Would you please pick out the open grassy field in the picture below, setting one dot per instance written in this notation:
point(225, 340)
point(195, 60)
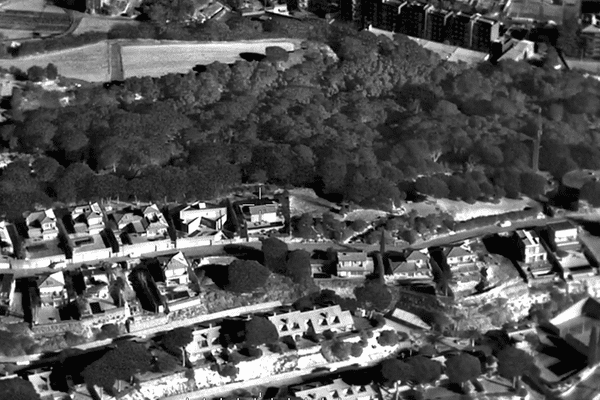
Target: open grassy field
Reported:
point(88, 63)
point(93, 23)
point(156, 59)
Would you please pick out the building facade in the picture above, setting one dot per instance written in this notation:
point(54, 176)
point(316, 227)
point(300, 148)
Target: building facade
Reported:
point(436, 24)
point(485, 32)
point(413, 19)
point(461, 30)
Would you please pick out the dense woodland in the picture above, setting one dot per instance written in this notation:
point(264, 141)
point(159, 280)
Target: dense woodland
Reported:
point(386, 119)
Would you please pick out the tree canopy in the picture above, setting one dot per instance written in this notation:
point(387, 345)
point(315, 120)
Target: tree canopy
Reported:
point(245, 276)
point(260, 330)
point(120, 363)
point(373, 122)
point(18, 389)
point(462, 368)
point(373, 296)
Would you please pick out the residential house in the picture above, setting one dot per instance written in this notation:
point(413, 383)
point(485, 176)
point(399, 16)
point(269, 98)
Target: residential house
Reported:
point(294, 322)
point(88, 219)
point(591, 37)
point(575, 324)
point(563, 233)
point(41, 225)
point(127, 217)
point(457, 256)
point(176, 270)
point(201, 216)
point(261, 213)
point(206, 340)
point(6, 242)
point(531, 248)
point(7, 289)
point(336, 389)
point(51, 286)
point(353, 264)
point(40, 380)
point(157, 223)
point(417, 263)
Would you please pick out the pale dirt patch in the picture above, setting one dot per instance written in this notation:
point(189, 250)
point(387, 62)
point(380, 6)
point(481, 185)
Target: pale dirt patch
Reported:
point(90, 23)
point(30, 5)
point(462, 211)
point(367, 215)
point(306, 201)
point(88, 63)
point(161, 59)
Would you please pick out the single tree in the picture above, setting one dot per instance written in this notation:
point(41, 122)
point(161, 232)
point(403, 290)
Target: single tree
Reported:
point(514, 363)
point(18, 389)
point(275, 252)
point(388, 338)
point(463, 368)
point(118, 364)
point(373, 296)
point(177, 339)
point(298, 267)
point(425, 370)
point(245, 276)
point(259, 330)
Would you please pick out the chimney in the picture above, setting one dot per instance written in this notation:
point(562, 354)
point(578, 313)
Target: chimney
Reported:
point(259, 192)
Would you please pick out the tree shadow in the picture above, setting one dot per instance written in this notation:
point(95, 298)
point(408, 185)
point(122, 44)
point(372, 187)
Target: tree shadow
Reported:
point(245, 253)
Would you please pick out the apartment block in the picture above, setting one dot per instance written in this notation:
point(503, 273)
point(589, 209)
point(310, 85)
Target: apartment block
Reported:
point(461, 30)
point(351, 10)
point(387, 18)
point(591, 35)
point(413, 19)
point(437, 23)
point(485, 32)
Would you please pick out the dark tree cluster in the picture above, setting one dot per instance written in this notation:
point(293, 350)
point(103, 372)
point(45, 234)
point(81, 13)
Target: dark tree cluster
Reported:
point(294, 264)
point(359, 128)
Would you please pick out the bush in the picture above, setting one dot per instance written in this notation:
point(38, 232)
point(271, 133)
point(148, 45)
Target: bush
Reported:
point(228, 370)
point(275, 348)
point(356, 350)
point(329, 334)
point(341, 350)
point(388, 338)
point(245, 276)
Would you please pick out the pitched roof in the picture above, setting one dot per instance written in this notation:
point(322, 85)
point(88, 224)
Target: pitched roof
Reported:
point(352, 256)
point(458, 252)
point(410, 318)
point(562, 226)
point(416, 255)
point(56, 279)
point(178, 261)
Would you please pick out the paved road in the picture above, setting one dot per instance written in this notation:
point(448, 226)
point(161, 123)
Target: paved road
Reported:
point(34, 21)
point(219, 249)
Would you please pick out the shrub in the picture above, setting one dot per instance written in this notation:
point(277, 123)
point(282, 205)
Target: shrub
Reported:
point(228, 370)
point(356, 350)
point(388, 338)
point(341, 350)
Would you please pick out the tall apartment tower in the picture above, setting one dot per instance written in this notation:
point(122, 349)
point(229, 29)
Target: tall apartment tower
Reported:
point(387, 17)
point(436, 24)
point(461, 30)
point(485, 32)
point(413, 19)
point(351, 10)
